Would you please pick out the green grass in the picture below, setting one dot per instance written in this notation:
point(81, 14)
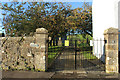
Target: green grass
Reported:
point(51, 56)
point(54, 47)
point(79, 36)
point(81, 41)
point(89, 55)
point(53, 51)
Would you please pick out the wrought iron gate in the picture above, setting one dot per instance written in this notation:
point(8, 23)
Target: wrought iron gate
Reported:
point(77, 56)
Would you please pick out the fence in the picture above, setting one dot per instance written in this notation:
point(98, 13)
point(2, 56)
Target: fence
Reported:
point(99, 49)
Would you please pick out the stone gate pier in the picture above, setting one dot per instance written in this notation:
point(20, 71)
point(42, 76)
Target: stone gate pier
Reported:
point(111, 50)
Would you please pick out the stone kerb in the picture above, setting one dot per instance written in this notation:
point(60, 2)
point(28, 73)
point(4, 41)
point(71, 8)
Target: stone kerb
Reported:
point(41, 57)
point(111, 50)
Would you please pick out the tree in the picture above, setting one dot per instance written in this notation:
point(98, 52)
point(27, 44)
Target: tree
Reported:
point(81, 20)
point(21, 20)
point(58, 18)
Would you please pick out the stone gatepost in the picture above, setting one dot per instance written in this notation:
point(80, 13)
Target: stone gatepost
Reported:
point(41, 56)
point(111, 50)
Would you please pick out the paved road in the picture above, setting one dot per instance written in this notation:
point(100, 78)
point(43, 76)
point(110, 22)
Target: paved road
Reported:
point(85, 75)
point(26, 74)
point(29, 75)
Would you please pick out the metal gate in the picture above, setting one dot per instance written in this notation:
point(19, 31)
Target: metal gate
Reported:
point(77, 56)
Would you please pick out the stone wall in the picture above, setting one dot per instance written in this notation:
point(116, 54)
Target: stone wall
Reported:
point(25, 53)
point(17, 53)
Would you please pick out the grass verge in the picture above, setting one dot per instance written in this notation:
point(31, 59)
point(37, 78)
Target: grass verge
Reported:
point(89, 55)
point(53, 51)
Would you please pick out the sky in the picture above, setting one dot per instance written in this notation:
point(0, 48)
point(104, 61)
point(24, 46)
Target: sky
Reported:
point(74, 3)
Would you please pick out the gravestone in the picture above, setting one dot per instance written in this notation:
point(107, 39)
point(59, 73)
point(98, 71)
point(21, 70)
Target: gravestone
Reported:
point(59, 42)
